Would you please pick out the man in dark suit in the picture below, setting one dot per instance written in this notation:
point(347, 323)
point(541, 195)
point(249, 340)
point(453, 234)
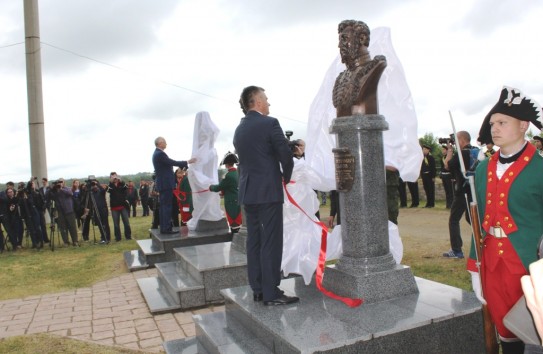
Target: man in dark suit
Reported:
point(263, 152)
point(165, 182)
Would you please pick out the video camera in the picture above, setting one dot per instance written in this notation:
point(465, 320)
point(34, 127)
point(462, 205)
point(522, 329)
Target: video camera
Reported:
point(449, 140)
point(56, 184)
point(91, 181)
point(292, 144)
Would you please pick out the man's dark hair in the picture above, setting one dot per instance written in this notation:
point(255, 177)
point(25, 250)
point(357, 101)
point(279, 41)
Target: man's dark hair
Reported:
point(247, 97)
point(359, 27)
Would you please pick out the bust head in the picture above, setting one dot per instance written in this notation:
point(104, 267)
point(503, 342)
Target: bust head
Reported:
point(354, 39)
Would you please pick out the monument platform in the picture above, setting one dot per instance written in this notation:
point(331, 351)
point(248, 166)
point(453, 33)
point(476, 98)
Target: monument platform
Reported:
point(438, 319)
point(160, 247)
point(196, 276)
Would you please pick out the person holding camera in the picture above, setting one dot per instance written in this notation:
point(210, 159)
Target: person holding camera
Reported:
point(95, 210)
point(118, 191)
point(265, 164)
point(64, 204)
point(459, 206)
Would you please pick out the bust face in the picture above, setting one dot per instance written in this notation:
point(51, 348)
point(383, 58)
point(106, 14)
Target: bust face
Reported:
point(346, 43)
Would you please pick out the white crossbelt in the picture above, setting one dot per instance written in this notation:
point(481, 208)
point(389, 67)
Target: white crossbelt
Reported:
point(497, 232)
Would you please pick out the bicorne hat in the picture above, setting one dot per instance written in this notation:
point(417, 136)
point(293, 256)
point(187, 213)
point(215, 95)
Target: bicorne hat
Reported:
point(514, 104)
point(230, 158)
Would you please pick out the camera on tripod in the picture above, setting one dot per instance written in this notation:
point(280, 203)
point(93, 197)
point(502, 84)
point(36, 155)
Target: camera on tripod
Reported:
point(92, 181)
point(449, 140)
point(57, 184)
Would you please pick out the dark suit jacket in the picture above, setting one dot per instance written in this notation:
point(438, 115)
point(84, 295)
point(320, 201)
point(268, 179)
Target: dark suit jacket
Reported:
point(165, 177)
point(262, 149)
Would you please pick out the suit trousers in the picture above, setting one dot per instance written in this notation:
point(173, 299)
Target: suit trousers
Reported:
point(165, 213)
point(264, 247)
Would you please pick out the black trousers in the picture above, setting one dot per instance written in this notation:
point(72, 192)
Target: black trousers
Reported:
point(458, 207)
point(264, 248)
point(429, 189)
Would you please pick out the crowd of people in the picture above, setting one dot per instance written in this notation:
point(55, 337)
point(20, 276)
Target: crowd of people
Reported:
point(41, 211)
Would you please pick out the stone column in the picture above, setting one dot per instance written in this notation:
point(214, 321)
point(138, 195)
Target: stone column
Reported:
point(366, 269)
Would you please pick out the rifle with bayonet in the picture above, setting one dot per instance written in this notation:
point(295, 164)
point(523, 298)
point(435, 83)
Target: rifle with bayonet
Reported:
point(491, 341)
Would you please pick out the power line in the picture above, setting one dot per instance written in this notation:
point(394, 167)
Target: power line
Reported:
point(156, 79)
point(11, 45)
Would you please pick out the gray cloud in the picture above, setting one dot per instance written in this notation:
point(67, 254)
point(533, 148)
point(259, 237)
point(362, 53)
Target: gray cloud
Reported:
point(101, 29)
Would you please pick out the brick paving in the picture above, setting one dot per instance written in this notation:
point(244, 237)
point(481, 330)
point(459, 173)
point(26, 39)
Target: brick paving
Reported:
point(112, 312)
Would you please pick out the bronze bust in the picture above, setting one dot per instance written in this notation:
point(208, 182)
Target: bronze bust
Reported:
point(355, 90)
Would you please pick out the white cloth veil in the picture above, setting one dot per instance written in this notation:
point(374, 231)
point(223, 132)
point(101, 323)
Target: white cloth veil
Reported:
point(401, 145)
point(204, 171)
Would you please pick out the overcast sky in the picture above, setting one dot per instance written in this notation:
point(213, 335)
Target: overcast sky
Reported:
point(119, 73)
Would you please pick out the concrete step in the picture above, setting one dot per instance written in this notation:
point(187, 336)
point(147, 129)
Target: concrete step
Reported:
point(188, 291)
point(183, 346)
point(135, 260)
point(217, 266)
point(156, 296)
point(215, 335)
point(184, 238)
point(152, 251)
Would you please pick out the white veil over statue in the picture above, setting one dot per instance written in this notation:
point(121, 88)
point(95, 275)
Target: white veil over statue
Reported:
point(401, 150)
point(400, 142)
point(204, 171)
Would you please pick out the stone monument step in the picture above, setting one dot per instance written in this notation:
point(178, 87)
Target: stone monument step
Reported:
point(183, 346)
point(217, 335)
point(135, 260)
point(180, 285)
point(148, 247)
point(438, 319)
point(151, 251)
point(157, 297)
point(217, 266)
point(210, 257)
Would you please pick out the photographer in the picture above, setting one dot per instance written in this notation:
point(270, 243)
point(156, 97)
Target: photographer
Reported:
point(11, 218)
point(64, 204)
point(95, 209)
point(28, 198)
point(462, 188)
point(118, 191)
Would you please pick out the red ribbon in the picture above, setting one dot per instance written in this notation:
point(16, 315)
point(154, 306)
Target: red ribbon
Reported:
point(322, 258)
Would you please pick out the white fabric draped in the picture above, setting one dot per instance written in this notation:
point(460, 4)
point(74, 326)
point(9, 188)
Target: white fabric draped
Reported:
point(302, 238)
point(204, 171)
point(401, 145)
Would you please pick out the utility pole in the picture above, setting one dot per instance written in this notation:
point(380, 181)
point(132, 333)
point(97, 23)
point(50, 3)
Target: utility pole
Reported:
point(38, 159)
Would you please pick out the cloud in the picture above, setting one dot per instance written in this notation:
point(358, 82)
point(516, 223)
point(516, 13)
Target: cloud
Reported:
point(486, 16)
point(101, 29)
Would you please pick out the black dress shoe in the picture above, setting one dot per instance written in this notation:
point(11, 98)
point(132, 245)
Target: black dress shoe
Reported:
point(282, 300)
point(169, 232)
point(258, 297)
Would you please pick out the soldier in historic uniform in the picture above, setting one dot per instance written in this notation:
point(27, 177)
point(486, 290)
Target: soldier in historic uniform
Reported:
point(509, 191)
point(228, 187)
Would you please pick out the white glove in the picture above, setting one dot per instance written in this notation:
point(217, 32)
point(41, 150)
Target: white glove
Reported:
point(476, 285)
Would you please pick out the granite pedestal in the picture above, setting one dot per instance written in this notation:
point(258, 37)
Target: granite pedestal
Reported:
point(160, 247)
point(366, 269)
point(437, 319)
point(196, 276)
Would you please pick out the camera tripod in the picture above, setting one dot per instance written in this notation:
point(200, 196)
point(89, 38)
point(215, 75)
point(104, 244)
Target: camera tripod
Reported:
point(93, 215)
